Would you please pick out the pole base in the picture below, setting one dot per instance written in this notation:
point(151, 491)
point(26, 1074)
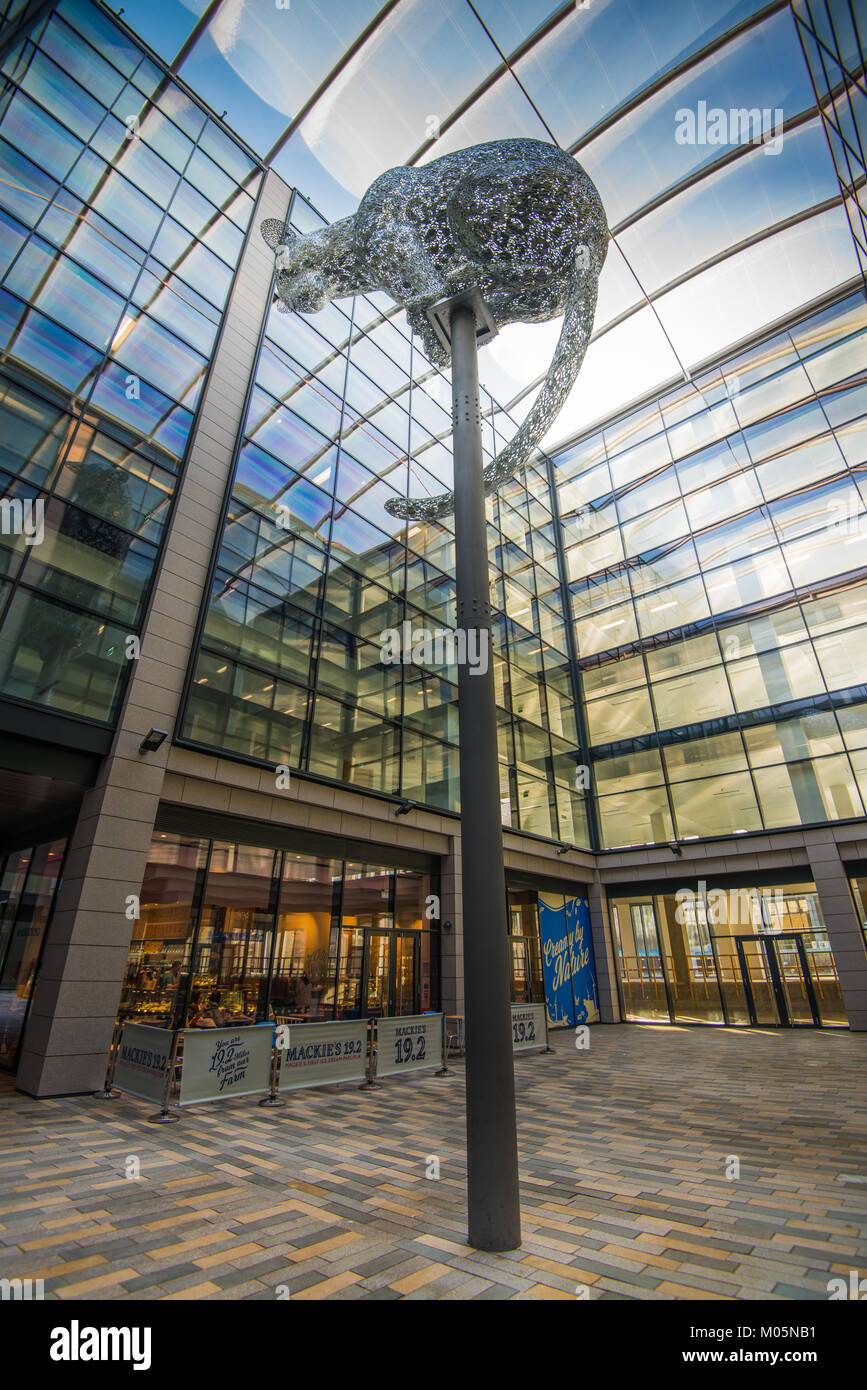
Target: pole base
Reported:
point(444, 1071)
point(273, 1101)
point(164, 1118)
point(108, 1094)
point(370, 1086)
point(494, 1247)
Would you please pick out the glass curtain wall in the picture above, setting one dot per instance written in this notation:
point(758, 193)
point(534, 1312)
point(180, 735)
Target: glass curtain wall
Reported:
point(716, 543)
point(833, 35)
point(736, 956)
point(236, 934)
point(28, 886)
point(123, 210)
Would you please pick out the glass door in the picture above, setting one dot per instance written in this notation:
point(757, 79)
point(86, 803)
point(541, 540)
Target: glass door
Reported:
point(350, 958)
point(648, 959)
point(375, 990)
point(822, 973)
point(777, 981)
point(406, 973)
point(520, 971)
point(794, 977)
point(762, 999)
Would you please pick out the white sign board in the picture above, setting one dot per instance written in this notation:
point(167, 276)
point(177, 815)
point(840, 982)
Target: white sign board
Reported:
point(142, 1061)
point(220, 1062)
point(528, 1027)
point(319, 1053)
point(408, 1044)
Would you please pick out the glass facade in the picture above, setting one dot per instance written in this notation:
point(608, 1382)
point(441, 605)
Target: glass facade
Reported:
point(833, 35)
point(677, 595)
point(716, 543)
point(239, 934)
point(734, 956)
point(123, 210)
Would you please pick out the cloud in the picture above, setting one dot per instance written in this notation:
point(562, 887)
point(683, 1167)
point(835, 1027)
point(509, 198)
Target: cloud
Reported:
point(226, 24)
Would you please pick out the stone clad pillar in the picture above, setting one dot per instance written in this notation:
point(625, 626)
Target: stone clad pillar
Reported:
point(603, 951)
point(843, 926)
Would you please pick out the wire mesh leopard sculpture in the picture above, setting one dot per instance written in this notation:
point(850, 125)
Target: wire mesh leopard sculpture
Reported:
point(518, 220)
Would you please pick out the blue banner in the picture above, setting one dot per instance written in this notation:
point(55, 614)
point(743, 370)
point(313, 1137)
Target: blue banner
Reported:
point(567, 960)
point(584, 990)
point(556, 964)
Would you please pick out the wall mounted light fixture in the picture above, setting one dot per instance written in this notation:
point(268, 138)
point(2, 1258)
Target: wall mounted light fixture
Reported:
point(152, 740)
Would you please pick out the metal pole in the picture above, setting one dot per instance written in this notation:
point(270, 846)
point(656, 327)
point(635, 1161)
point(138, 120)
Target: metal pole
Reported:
point(443, 1071)
point(272, 1098)
point(108, 1091)
point(164, 1117)
point(371, 1084)
point(492, 1142)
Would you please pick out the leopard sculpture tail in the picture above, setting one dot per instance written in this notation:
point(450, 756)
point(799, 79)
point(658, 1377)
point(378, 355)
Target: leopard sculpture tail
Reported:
point(559, 380)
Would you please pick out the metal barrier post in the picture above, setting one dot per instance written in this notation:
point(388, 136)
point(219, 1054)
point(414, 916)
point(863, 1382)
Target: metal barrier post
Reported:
point(108, 1092)
point(272, 1099)
point(547, 1047)
point(371, 1084)
point(164, 1118)
point(443, 1071)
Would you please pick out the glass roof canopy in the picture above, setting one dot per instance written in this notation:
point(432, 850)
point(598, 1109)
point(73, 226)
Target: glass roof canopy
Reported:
point(714, 236)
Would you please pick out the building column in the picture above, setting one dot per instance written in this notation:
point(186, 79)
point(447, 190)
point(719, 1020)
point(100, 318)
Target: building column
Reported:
point(841, 921)
point(603, 951)
point(72, 1015)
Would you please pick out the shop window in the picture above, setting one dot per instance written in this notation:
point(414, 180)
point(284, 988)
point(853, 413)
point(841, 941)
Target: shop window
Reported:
point(158, 965)
point(236, 934)
point(231, 960)
point(527, 983)
point(689, 961)
point(642, 981)
point(302, 988)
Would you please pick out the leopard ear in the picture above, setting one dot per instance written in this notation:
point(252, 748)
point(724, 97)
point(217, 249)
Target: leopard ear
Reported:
point(275, 232)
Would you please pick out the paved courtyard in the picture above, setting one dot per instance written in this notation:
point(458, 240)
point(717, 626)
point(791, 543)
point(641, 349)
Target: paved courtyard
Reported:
point(624, 1151)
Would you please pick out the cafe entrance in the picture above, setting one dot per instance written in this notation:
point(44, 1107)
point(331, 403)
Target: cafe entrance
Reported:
point(382, 968)
point(789, 981)
point(390, 973)
point(736, 956)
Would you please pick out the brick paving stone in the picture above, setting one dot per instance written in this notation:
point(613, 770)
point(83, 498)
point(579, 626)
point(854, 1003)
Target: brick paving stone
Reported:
point(798, 1291)
point(621, 1182)
point(165, 1275)
point(382, 1262)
